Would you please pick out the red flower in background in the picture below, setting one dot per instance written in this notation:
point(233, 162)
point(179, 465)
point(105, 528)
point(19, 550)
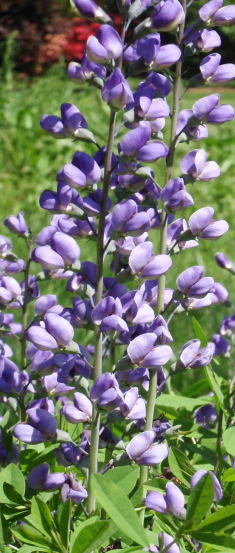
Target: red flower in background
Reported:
point(81, 30)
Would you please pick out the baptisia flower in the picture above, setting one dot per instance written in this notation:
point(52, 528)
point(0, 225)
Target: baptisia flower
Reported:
point(11, 380)
point(217, 487)
point(108, 314)
point(145, 107)
point(170, 504)
point(62, 252)
point(192, 284)
point(40, 478)
point(134, 407)
point(9, 290)
point(143, 451)
point(55, 332)
point(69, 124)
point(223, 262)
point(136, 309)
point(144, 264)
point(53, 386)
point(90, 10)
point(195, 167)
point(127, 219)
point(143, 351)
point(212, 72)
point(16, 225)
point(202, 225)
point(106, 46)
point(41, 427)
point(207, 414)
point(166, 15)
point(193, 356)
point(136, 144)
point(82, 172)
point(87, 70)
point(73, 490)
point(201, 41)
point(105, 392)
point(80, 411)
point(213, 14)
point(174, 195)
point(207, 110)
point(220, 345)
point(116, 91)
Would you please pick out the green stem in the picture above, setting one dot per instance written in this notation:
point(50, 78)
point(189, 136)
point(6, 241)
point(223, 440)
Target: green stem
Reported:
point(95, 425)
point(218, 444)
point(163, 246)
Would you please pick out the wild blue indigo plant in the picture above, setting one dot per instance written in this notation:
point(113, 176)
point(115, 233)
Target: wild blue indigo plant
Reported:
point(135, 467)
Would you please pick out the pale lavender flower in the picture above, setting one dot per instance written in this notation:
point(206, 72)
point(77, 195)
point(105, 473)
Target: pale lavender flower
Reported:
point(202, 225)
point(195, 167)
point(144, 352)
point(143, 451)
point(105, 392)
point(170, 504)
point(16, 225)
point(145, 265)
point(116, 91)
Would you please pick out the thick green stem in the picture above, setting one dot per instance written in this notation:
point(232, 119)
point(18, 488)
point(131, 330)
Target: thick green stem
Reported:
point(163, 243)
point(95, 426)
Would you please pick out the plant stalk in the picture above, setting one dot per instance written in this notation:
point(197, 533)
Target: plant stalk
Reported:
point(163, 243)
point(95, 425)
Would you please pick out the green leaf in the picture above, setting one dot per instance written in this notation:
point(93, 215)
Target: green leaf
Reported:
point(221, 520)
point(1, 534)
point(92, 536)
point(12, 475)
point(222, 542)
point(29, 548)
point(119, 508)
point(199, 333)
point(27, 535)
point(201, 498)
point(12, 494)
point(64, 516)
point(42, 517)
point(229, 475)
point(229, 440)
point(87, 522)
point(180, 466)
point(125, 477)
point(188, 403)
point(215, 388)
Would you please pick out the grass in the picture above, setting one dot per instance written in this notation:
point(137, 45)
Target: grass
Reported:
point(30, 159)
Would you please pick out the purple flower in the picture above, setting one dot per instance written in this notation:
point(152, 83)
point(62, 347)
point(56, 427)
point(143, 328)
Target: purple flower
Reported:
point(127, 220)
point(224, 262)
point(167, 56)
point(195, 166)
point(137, 144)
point(209, 9)
point(201, 224)
point(199, 474)
point(105, 392)
point(134, 406)
point(41, 427)
point(207, 414)
point(193, 356)
point(71, 120)
point(108, 314)
point(107, 45)
point(90, 10)
point(16, 225)
point(165, 540)
point(116, 91)
point(221, 346)
point(204, 41)
point(213, 13)
point(83, 171)
point(166, 15)
point(145, 265)
point(81, 411)
point(137, 311)
point(143, 451)
point(175, 197)
point(171, 503)
point(211, 71)
point(190, 283)
point(143, 352)
point(73, 490)
point(206, 110)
